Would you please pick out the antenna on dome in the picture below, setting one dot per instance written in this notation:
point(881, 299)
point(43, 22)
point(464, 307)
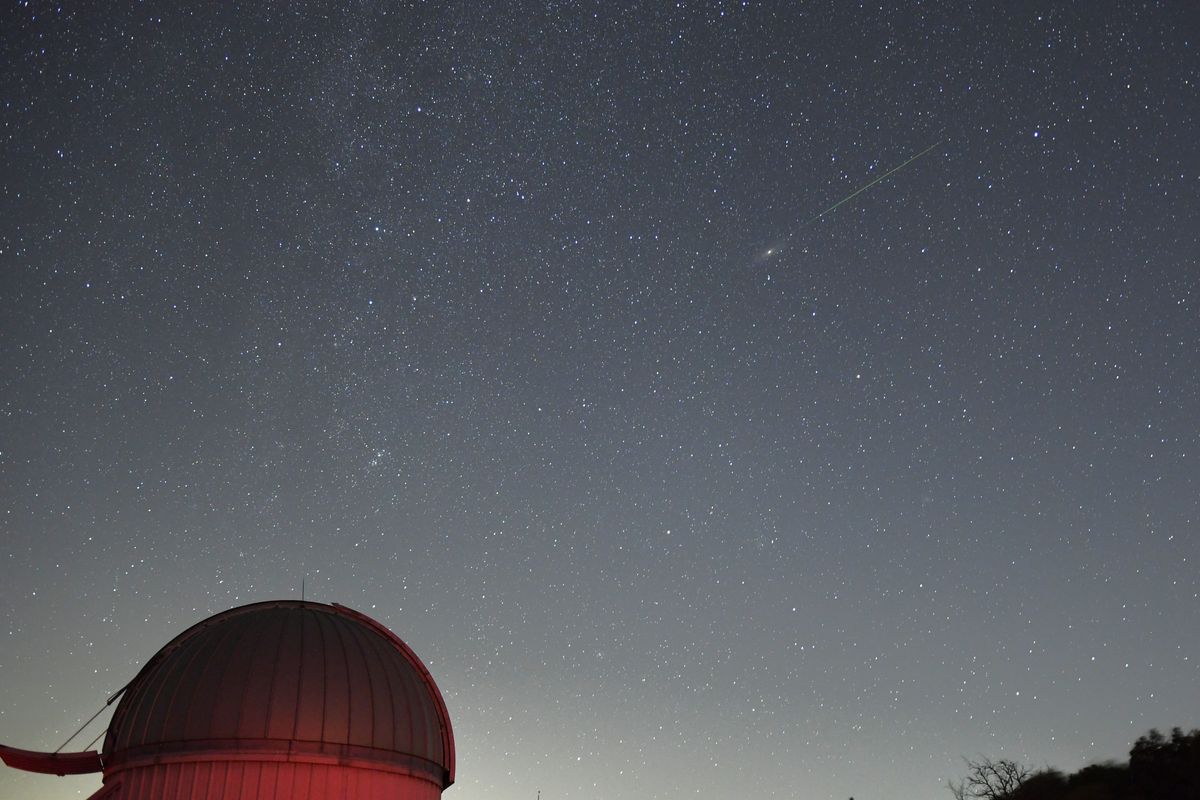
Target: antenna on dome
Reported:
point(302, 590)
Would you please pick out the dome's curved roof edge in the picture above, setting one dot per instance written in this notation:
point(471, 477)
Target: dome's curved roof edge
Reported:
point(434, 691)
point(426, 678)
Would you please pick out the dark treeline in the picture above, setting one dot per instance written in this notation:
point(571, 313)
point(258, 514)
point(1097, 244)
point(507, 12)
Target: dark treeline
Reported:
point(1159, 768)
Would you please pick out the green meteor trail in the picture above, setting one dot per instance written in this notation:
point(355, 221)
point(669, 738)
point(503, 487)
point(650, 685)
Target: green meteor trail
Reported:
point(855, 194)
point(776, 249)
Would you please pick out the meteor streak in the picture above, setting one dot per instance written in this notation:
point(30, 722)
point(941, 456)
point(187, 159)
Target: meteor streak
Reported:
point(775, 250)
point(855, 194)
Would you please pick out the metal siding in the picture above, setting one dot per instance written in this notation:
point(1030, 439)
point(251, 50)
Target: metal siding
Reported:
point(201, 780)
point(310, 699)
point(395, 700)
point(149, 707)
point(285, 783)
point(219, 780)
point(363, 700)
point(257, 780)
point(197, 691)
point(285, 685)
point(231, 783)
point(432, 694)
point(224, 717)
point(386, 731)
point(340, 687)
point(253, 715)
point(319, 782)
point(383, 718)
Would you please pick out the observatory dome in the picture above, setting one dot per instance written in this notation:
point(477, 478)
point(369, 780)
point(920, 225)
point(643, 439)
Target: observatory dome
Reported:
point(274, 686)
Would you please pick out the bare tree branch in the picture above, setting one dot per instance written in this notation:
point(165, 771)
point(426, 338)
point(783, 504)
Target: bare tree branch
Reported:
point(989, 779)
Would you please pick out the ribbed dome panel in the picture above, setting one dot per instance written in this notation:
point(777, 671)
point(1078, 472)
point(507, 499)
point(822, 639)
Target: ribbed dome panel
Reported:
point(286, 679)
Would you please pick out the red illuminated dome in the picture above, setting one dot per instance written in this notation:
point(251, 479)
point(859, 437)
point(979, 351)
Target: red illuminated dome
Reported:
point(280, 700)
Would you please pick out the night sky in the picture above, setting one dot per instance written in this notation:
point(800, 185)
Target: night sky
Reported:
point(519, 328)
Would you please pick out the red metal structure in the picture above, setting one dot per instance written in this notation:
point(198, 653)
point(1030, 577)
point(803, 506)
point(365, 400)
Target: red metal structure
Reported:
point(284, 700)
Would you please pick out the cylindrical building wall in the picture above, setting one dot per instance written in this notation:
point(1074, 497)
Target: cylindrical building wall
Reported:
point(267, 780)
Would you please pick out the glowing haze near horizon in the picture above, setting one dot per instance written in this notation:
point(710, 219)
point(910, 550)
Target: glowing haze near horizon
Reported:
point(462, 316)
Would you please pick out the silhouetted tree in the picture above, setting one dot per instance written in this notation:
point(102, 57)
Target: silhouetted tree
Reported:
point(989, 779)
point(1162, 767)
point(1049, 784)
point(1159, 768)
point(1106, 781)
